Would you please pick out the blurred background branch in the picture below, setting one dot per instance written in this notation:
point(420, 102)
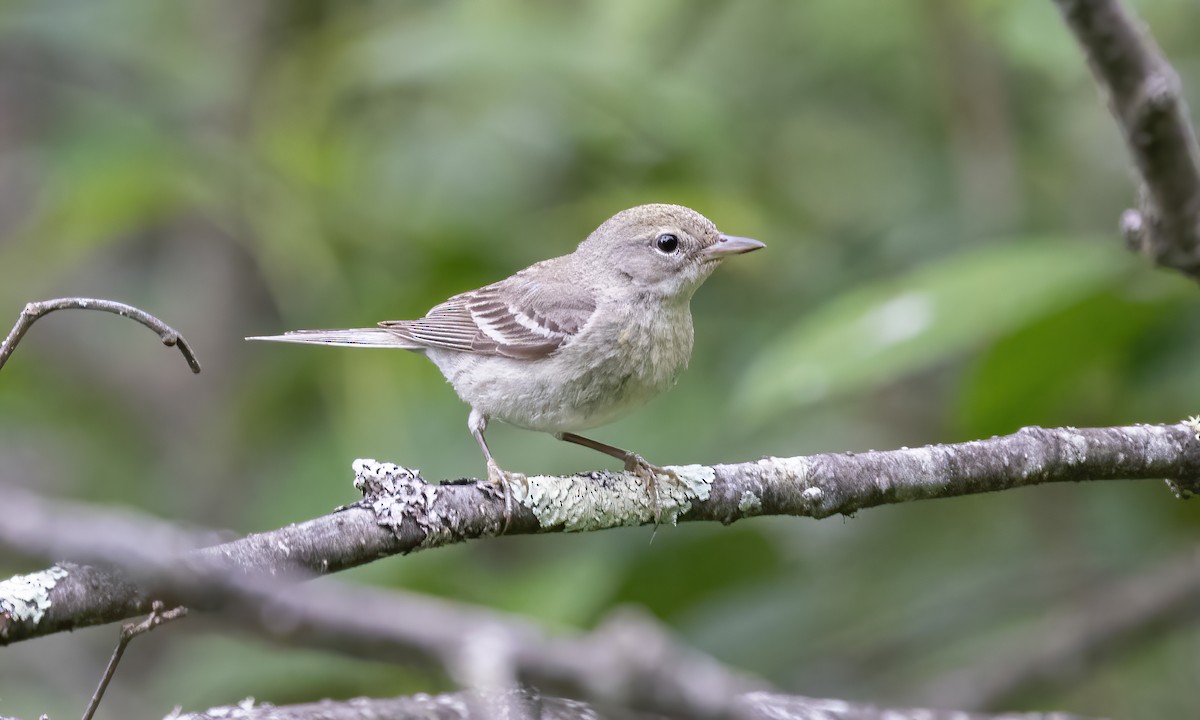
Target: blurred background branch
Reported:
point(1146, 98)
point(457, 706)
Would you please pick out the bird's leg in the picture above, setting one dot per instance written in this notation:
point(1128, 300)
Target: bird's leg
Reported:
point(634, 463)
point(477, 422)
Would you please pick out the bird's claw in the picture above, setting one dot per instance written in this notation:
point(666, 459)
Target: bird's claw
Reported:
point(504, 481)
point(637, 465)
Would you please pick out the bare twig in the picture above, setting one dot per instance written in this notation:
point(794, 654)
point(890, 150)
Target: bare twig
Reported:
point(129, 631)
point(1145, 98)
point(35, 310)
point(403, 514)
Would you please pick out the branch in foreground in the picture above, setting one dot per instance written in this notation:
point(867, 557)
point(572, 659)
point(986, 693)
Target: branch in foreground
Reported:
point(402, 513)
point(1145, 98)
point(630, 661)
point(456, 706)
point(36, 310)
point(452, 706)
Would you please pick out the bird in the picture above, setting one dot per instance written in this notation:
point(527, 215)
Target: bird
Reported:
point(569, 343)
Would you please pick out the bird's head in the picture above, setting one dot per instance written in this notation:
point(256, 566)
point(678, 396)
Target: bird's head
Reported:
point(665, 250)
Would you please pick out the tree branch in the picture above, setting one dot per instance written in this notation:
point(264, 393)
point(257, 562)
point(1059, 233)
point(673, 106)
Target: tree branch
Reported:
point(630, 661)
point(457, 706)
point(401, 513)
point(1145, 98)
point(450, 706)
point(36, 310)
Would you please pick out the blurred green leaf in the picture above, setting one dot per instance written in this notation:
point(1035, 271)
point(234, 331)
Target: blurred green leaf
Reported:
point(1081, 355)
point(881, 332)
point(667, 582)
point(111, 175)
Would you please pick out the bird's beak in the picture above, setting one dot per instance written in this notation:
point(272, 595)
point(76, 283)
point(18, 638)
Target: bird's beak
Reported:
point(730, 245)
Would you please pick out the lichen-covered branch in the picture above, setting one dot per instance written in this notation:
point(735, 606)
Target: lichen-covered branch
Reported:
point(402, 513)
point(1145, 98)
point(450, 706)
point(630, 661)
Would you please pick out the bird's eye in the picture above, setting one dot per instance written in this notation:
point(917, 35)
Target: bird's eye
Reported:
point(666, 243)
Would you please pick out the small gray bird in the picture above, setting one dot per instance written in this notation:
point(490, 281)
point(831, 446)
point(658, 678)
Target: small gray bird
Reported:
point(572, 342)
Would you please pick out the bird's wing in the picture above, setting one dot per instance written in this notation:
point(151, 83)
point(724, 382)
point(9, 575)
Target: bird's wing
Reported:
point(521, 317)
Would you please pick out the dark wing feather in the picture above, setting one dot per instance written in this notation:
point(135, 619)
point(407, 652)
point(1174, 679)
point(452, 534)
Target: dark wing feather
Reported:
point(521, 317)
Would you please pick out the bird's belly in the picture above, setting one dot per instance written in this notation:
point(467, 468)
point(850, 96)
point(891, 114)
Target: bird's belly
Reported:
point(581, 386)
point(540, 395)
point(588, 405)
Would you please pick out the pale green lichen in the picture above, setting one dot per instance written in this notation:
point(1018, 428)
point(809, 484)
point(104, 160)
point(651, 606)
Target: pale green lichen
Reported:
point(26, 598)
point(602, 500)
point(749, 503)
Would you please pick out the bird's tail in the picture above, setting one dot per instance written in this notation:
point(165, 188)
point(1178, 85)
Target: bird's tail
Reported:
point(353, 337)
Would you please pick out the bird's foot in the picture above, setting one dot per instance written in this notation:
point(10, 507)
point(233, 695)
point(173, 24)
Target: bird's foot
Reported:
point(637, 465)
point(504, 480)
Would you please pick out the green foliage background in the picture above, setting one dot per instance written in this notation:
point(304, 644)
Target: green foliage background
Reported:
point(938, 184)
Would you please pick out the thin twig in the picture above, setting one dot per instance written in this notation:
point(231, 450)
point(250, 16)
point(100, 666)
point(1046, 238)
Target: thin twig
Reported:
point(1145, 98)
point(35, 310)
point(129, 631)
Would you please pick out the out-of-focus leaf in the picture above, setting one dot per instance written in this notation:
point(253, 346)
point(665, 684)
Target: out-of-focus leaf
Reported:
point(1065, 369)
point(880, 332)
point(667, 582)
point(111, 177)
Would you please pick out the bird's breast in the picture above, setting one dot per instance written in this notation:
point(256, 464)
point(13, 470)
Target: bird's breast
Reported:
point(621, 359)
point(652, 347)
point(624, 361)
